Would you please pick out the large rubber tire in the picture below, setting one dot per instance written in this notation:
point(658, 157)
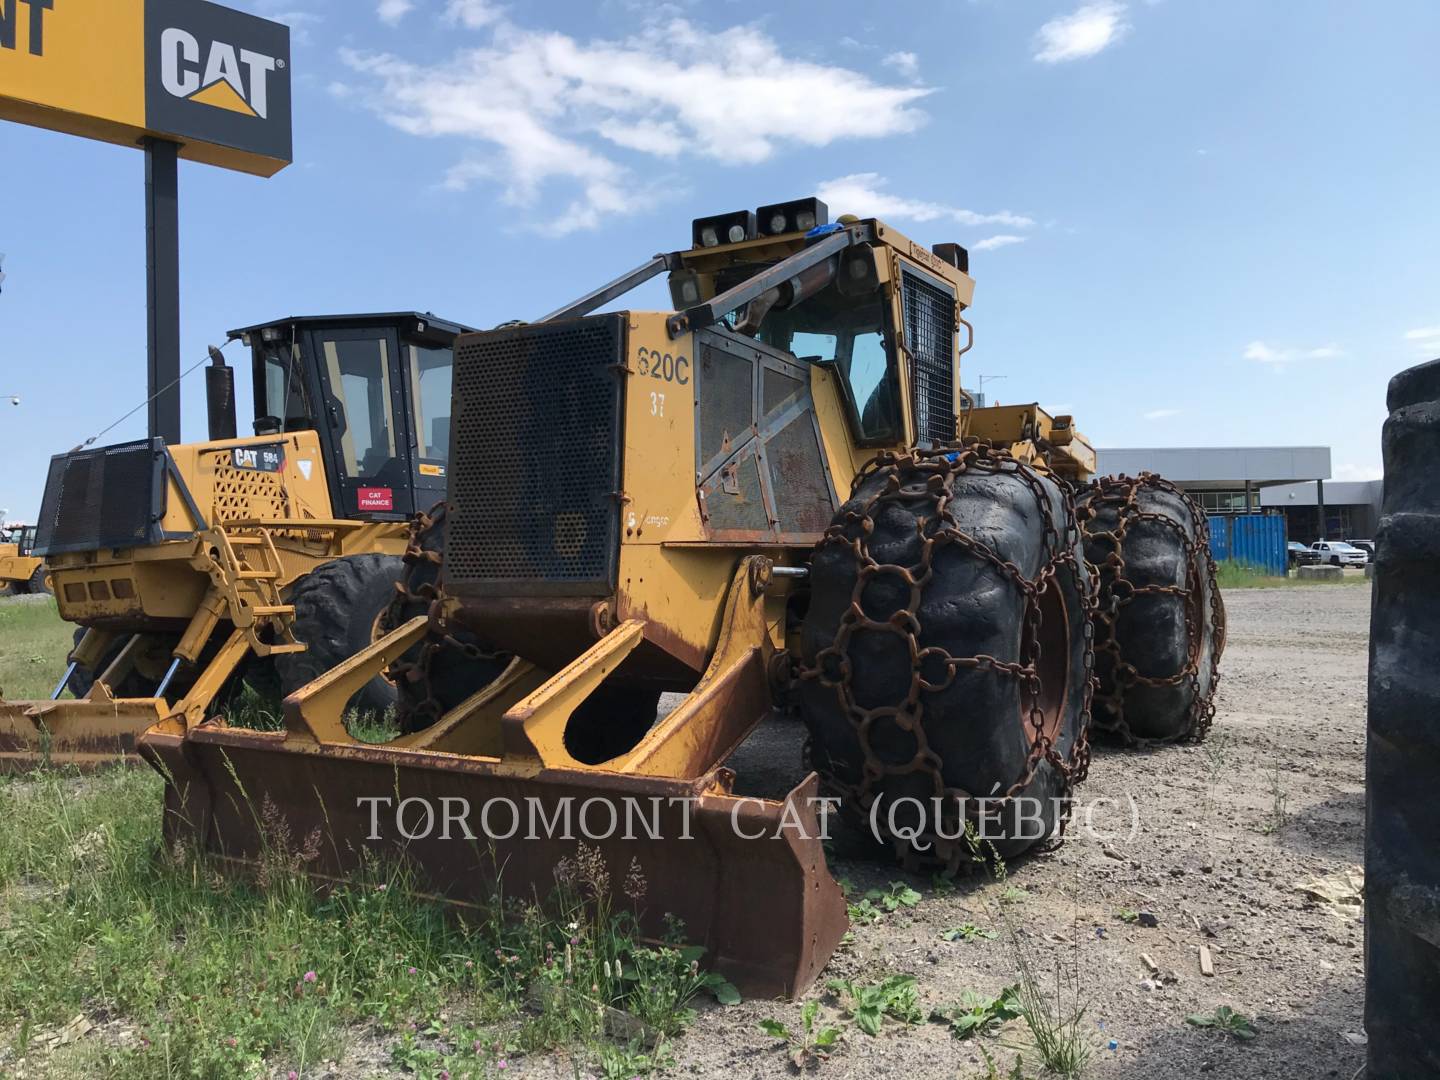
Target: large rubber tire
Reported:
point(36, 584)
point(929, 595)
point(1402, 830)
point(444, 669)
point(1160, 620)
point(337, 613)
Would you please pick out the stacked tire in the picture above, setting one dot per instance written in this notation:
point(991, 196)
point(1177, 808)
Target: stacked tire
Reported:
point(1160, 621)
point(945, 654)
point(1402, 830)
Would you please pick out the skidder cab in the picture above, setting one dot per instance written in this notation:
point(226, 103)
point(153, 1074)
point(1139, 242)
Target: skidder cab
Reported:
point(765, 500)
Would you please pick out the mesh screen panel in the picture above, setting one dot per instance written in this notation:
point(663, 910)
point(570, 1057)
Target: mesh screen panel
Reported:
point(101, 499)
point(930, 338)
point(727, 401)
point(797, 476)
point(535, 461)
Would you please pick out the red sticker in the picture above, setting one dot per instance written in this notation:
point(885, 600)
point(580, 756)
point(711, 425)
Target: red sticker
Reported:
point(375, 498)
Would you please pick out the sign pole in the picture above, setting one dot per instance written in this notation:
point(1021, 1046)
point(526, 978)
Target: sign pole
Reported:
point(162, 286)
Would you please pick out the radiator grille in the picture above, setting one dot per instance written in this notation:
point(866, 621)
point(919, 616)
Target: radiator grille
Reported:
point(104, 498)
point(930, 339)
point(535, 459)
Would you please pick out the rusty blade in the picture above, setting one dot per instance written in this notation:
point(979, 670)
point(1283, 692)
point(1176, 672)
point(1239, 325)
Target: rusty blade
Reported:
point(749, 887)
point(86, 733)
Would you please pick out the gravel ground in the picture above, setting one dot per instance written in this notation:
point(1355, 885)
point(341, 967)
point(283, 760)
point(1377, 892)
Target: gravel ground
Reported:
point(1226, 831)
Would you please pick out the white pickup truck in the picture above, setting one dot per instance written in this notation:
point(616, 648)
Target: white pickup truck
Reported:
point(1339, 553)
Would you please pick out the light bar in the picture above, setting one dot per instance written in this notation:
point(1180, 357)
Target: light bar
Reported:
point(801, 215)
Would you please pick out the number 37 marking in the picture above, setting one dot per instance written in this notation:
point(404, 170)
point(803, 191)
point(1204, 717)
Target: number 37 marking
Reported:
point(663, 366)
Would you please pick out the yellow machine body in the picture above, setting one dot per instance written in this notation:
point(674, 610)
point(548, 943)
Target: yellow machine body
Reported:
point(16, 569)
point(731, 456)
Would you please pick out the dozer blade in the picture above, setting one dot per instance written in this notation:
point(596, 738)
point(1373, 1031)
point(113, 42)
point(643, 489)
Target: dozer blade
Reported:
point(86, 734)
point(747, 876)
point(99, 729)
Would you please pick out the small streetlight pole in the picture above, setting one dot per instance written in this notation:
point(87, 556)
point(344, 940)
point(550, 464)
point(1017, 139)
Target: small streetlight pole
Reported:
point(980, 389)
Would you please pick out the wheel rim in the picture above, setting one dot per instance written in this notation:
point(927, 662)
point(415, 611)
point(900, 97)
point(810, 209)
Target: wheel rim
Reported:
point(377, 631)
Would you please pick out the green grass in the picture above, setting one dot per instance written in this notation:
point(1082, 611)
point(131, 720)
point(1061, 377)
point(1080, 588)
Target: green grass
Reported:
point(197, 974)
point(33, 645)
point(1233, 574)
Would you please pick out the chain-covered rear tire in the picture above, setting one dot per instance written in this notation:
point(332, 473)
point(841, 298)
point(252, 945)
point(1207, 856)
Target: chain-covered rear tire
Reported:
point(945, 665)
point(1160, 620)
point(338, 608)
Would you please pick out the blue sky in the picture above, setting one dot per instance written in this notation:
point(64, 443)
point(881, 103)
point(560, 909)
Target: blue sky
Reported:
point(1191, 223)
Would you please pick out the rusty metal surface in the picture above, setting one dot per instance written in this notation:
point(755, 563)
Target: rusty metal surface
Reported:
point(766, 909)
point(85, 733)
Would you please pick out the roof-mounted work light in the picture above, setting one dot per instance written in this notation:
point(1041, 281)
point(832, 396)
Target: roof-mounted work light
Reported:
point(802, 215)
point(723, 229)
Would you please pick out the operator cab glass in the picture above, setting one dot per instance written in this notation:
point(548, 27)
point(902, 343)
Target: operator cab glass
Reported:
point(376, 388)
point(853, 338)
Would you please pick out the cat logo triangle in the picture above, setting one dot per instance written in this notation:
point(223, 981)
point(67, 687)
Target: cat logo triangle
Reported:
point(223, 96)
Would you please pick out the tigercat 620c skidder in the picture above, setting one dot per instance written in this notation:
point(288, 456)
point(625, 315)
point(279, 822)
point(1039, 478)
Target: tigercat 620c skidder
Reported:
point(764, 499)
point(267, 559)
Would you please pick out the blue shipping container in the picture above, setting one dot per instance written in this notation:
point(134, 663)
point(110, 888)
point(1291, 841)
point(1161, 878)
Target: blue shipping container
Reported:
point(1258, 540)
point(1219, 537)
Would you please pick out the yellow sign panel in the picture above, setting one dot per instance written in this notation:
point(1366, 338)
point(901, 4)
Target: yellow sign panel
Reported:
point(84, 59)
point(214, 80)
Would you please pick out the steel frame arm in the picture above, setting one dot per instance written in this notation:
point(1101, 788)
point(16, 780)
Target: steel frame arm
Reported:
point(619, 287)
point(717, 307)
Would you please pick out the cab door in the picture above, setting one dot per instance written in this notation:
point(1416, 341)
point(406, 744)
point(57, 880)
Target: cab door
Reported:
point(365, 409)
point(428, 365)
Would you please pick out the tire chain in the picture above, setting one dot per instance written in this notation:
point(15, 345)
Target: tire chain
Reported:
point(1123, 492)
point(832, 665)
point(421, 709)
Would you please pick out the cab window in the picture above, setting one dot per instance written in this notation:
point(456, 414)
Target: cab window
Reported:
point(430, 377)
point(359, 370)
point(285, 395)
point(852, 336)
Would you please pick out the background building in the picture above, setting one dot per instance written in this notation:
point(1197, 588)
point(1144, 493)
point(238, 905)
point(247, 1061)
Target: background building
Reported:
point(1290, 481)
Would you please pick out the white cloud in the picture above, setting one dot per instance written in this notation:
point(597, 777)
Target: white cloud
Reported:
point(1359, 472)
point(1280, 356)
point(906, 63)
point(472, 14)
point(862, 194)
point(549, 108)
point(392, 11)
point(1087, 31)
point(1160, 414)
point(990, 243)
point(1425, 339)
